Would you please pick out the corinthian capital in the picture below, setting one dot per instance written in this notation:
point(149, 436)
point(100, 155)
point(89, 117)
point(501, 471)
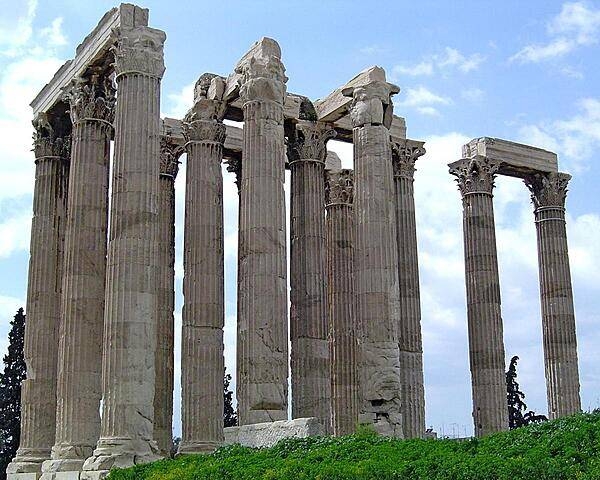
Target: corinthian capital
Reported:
point(372, 103)
point(139, 50)
point(51, 137)
point(404, 155)
point(170, 152)
point(548, 189)
point(339, 187)
point(310, 141)
point(262, 73)
point(204, 121)
point(91, 99)
point(475, 175)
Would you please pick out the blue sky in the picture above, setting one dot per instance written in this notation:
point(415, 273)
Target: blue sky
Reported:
point(525, 71)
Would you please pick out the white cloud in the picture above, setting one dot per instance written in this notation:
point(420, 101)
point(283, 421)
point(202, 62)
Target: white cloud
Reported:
point(180, 102)
point(577, 25)
point(14, 234)
point(474, 95)
point(53, 34)
point(450, 59)
point(423, 100)
point(576, 139)
point(16, 27)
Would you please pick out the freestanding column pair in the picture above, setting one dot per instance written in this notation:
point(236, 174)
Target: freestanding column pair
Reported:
point(38, 395)
point(549, 191)
point(310, 361)
point(376, 255)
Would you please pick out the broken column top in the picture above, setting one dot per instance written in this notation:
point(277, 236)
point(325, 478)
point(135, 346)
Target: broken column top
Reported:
point(333, 162)
point(516, 159)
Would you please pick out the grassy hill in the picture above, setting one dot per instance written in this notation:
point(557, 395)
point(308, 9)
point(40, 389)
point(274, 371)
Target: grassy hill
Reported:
point(568, 448)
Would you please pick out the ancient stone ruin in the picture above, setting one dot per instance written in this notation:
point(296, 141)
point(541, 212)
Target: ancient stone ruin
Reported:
point(99, 339)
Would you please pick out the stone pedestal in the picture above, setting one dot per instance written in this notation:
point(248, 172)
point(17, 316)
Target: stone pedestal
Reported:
point(79, 386)
point(38, 394)
point(133, 259)
point(475, 178)
point(376, 257)
point(203, 365)
point(410, 340)
point(262, 370)
point(343, 340)
point(310, 363)
point(164, 355)
point(558, 315)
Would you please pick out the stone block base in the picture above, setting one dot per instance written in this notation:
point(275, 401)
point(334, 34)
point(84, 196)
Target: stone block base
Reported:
point(268, 434)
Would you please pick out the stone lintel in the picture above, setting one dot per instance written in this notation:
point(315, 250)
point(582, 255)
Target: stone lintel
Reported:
point(516, 159)
point(94, 48)
point(268, 434)
point(232, 149)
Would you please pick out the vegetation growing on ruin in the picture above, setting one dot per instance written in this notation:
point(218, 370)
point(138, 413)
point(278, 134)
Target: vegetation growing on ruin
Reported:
point(568, 448)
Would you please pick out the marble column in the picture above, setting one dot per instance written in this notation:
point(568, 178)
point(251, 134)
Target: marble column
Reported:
point(343, 340)
point(79, 386)
point(262, 370)
point(549, 193)
point(376, 256)
point(404, 156)
point(202, 361)
point(165, 330)
point(133, 259)
point(38, 392)
point(475, 177)
point(311, 384)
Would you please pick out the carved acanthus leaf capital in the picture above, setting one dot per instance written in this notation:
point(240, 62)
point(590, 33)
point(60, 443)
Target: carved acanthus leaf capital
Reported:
point(404, 155)
point(203, 122)
point(548, 189)
point(49, 140)
point(170, 152)
point(234, 165)
point(339, 187)
point(262, 77)
point(371, 103)
point(139, 50)
point(91, 99)
point(475, 175)
point(310, 141)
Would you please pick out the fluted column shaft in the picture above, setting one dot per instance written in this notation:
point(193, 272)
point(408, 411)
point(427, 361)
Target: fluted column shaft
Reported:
point(486, 344)
point(556, 294)
point(79, 386)
point(133, 258)
point(409, 329)
point(202, 358)
point(262, 369)
point(38, 393)
point(164, 355)
point(310, 363)
point(343, 340)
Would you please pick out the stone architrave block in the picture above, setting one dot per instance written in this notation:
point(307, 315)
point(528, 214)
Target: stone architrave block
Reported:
point(267, 434)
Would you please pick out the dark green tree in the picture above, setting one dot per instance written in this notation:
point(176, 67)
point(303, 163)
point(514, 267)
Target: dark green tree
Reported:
point(515, 399)
point(229, 414)
point(10, 393)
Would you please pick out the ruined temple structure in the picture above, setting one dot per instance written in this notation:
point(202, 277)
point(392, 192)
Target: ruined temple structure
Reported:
point(100, 300)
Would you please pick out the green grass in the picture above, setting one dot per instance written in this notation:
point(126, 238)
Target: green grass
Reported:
point(568, 448)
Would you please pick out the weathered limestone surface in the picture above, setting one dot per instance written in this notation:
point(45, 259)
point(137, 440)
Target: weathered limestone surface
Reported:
point(38, 394)
point(203, 284)
point(79, 386)
point(475, 177)
point(549, 191)
point(376, 255)
point(133, 258)
point(343, 340)
point(311, 385)
point(164, 360)
point(261, 435)
point(410, 342)
point(262, 367)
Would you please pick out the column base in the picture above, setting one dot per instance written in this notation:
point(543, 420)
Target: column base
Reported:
point(121, 452)
point(198, 447)
point(62, 469)
point(27, 465)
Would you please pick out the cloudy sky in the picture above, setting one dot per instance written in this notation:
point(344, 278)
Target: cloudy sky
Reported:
point(524, 71)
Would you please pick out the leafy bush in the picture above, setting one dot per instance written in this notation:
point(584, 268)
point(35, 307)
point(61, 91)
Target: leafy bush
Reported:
point(568, 448)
